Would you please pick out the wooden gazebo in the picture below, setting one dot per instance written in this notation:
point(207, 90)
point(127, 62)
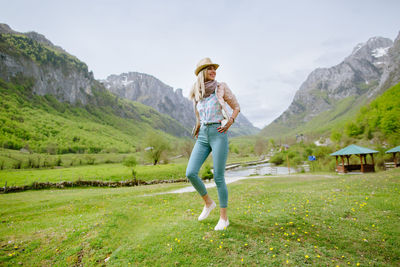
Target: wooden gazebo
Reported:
point(359, 151)
point(394, 151)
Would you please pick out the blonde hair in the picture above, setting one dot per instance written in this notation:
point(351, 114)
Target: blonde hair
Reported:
point(198, 89)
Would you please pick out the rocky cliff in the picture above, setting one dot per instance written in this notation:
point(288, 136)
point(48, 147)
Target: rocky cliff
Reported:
point(55, 72)
point(358, 74)
point(52, 71)
point(150, 91)
point(371, 68)
point(391, 71)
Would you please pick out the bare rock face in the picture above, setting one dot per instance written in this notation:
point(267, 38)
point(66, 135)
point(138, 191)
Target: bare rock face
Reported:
point(66, 82)
point(45, 69)
point(69, 87)
point(150, 91)
point(391, 71)
point(359, 74)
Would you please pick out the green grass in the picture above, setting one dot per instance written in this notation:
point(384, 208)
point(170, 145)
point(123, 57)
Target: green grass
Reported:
point(315, 220)
point(104, 172)
point(9, 159)
point(46, 125)
point(344, 110)
point(176, 169)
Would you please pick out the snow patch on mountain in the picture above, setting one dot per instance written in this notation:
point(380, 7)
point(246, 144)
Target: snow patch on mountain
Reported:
point(380, 51)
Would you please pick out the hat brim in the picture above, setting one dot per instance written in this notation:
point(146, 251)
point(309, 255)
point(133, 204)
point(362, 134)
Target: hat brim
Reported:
point(200, 68)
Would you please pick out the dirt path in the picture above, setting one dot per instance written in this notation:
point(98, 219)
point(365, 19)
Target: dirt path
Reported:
point(229, 180)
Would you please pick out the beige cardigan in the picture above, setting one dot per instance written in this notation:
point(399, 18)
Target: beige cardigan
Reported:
point(224, 95)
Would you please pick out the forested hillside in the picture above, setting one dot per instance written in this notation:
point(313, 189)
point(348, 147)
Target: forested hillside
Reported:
point(43, 124)
point(378, 120)
point(51, 103)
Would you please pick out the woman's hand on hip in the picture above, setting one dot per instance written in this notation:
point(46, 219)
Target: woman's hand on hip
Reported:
point(225, 128)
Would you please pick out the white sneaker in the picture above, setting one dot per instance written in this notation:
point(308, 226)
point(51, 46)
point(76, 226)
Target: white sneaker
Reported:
point(206, 211)
point(221, 225)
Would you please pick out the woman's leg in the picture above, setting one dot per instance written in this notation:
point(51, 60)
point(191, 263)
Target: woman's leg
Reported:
point(219, 145)
point(199, 154)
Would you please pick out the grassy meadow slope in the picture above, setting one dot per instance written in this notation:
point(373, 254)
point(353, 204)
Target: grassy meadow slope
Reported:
point(47, 125)
point(48, 122)
point(316, 220)
point(380, 119)
point(354, 117)
point(322, 124)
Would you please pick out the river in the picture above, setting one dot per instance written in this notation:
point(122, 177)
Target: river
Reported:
point(239, 173)
point(261, 169)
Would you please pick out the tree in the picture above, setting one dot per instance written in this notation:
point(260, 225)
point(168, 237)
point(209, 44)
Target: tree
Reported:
point(353, 130)
point(336, 136)
point(186, 148)
point(272, 143)
point(156, 145)
point(259, 146)
point(131, 162)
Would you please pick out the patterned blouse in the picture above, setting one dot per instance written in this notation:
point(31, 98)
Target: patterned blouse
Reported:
point(210, 109)
point(224, 95)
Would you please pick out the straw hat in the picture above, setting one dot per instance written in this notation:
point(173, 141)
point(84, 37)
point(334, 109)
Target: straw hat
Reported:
point(204, 63)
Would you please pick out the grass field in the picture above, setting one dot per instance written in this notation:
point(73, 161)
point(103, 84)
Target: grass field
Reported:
point(316, 220)
point(104, 172)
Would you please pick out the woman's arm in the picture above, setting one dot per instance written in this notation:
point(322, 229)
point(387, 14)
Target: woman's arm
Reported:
point(196, 128)
point(230, 98)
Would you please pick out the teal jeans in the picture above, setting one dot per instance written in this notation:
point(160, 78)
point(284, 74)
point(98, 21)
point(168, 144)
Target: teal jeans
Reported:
point(210, 140)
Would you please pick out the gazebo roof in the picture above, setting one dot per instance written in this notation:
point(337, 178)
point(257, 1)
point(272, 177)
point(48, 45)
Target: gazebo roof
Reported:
point(353, 150)
point(395, 149)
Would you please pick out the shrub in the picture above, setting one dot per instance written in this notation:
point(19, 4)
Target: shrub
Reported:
point(58, 161)
point(17, 164)
point(130, 161)
point(207, 173)
point(89, 159)
point(277, 159)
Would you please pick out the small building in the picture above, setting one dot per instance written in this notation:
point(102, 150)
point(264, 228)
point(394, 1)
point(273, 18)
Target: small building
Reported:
point(394, 150)
point(359, 151)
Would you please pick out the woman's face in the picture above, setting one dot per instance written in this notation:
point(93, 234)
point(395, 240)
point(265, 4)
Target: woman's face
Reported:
point(210, 73)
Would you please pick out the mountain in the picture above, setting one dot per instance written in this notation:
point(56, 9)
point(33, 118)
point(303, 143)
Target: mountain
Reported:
point(379, 121)
point(40, 80)
point(391, 71)
point(151, 91)
point(329, 96)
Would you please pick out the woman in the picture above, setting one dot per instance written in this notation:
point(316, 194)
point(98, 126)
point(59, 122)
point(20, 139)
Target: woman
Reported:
point(213, 122)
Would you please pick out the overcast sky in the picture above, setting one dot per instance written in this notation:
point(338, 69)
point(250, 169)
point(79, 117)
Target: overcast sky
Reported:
point(265, 49)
